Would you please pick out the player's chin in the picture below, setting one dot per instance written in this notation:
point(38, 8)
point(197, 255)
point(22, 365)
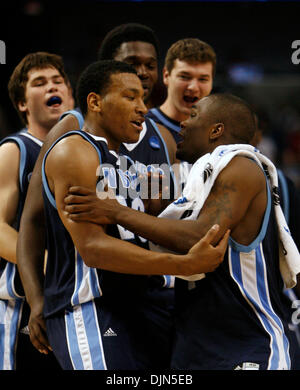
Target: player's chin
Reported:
point(133, 138)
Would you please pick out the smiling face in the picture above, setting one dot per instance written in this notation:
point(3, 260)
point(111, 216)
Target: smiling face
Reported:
point(122, 110)
point(142, 56)
point(47, 96)
point(187, 83)
point(196, 132)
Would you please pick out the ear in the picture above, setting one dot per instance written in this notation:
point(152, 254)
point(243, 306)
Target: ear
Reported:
point(216, 131)
point(166, 76)
point(22, 106)
point(94, 102)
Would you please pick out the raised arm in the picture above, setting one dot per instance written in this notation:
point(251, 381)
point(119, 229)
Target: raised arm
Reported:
point(239, 188)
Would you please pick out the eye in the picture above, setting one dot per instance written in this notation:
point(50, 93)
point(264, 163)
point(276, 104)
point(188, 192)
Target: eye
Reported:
point(58, 80)
point(204, 80)
point(38, 84)
point(151, 66)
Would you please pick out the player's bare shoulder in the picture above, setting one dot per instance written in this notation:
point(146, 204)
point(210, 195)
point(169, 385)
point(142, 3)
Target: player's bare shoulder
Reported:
point(69, 155)
point(245, 173)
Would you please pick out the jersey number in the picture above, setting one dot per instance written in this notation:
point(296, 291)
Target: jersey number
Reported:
point(137, 204)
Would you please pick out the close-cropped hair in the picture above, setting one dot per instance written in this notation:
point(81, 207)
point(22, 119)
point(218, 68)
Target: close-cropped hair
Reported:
point(97, 78)
point(236, 114)
point(130, 32)
point(191, 50)
point(18, 79)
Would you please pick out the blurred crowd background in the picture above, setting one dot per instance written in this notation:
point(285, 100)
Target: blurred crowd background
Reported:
point(253, 41)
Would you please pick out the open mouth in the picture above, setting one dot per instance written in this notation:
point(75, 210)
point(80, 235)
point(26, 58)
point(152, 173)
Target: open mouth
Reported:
point(190, 99)
point(138, 124)
point(54, 101)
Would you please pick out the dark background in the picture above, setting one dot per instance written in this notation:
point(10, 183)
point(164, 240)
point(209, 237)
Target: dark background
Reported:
point(252, 41)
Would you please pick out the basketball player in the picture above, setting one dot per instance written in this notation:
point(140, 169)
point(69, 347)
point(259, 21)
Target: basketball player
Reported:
point(236, 317)
point(40, 92)
point(98, 319)
point(137, 45)
point(188, 73)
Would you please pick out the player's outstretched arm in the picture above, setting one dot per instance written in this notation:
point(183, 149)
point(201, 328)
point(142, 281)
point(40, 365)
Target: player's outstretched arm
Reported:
point(73, 160)
point(226, 205)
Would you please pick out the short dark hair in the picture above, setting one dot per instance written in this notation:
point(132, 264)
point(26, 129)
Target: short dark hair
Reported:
point(130, 32)
point(96, 78)
point(19, 77)
point(236, 114)
point(191, 50)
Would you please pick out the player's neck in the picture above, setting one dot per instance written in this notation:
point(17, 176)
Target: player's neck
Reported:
point(38, 131)
point(98, 131)
point(168, 109)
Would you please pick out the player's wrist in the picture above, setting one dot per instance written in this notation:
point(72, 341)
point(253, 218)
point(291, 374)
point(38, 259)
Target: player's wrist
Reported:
point(120, 214)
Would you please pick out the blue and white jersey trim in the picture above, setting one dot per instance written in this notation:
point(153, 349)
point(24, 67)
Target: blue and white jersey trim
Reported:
point(7, 286)
point(77, 115)
point(169, 281)
point(7, 289)
point(10, 317)
point(84, 338)
point(165, 121)
point(86, 282)
point(44, 178)
point(248, 270)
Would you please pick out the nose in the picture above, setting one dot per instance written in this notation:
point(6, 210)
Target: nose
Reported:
point(193, 85)
point(51, 86)
point(142, 72)
point(141, 108)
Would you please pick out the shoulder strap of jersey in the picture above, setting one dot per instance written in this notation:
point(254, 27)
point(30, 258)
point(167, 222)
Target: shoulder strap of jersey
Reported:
point(165, 121)
point(156, 129)
point(77, 115)
point(44, 178)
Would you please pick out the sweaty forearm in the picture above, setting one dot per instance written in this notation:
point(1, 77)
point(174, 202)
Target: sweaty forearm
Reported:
point(111, 254)
point(178, 236)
